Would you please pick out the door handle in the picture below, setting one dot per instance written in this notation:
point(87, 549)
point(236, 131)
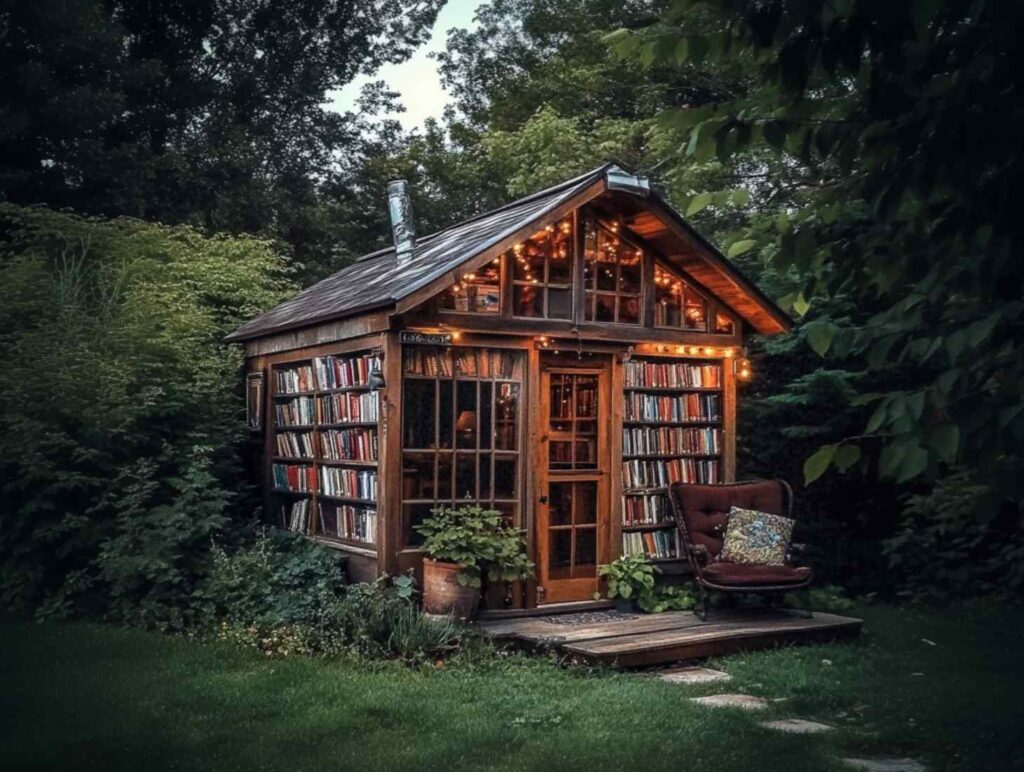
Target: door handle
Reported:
point(543, 499)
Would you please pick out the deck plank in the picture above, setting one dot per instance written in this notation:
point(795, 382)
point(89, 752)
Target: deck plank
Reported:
point(657, 638)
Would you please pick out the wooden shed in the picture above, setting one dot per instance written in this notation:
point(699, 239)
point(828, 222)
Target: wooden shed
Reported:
point(561, 359)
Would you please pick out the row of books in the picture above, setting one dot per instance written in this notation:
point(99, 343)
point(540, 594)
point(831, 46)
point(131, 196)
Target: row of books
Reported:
point(300, 411)
point(640, 374)
point(685, 407)
point(348, 483)
point(345, 521)
point(294, 380)
point(295, 444)
point(358, 407)
point(484, 364)
point(657, 545)
point(351, 444)
point(671, 439)
point(662, 473)
point(295, 515)
point(333, 372)
point(291, 477)
point(646, 510)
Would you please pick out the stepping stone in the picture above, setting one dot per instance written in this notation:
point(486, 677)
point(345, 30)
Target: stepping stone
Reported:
point(796, 726)
point(741, 701)
point(886, 765)
point(694, 675)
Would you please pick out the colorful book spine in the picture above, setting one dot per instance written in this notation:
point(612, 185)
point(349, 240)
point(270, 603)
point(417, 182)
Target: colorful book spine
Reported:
point(670, 440)
point(339, 372)
point(293, 477)
point(300, 411)
point(348, 407)
point(345, 521)
point(641, 473)
point(295, 444)
point(348, 483)
point(672, 375)
point(294, 380)
point(646, 510)
point(656, 545)
point(349, 444)
point(652, 408)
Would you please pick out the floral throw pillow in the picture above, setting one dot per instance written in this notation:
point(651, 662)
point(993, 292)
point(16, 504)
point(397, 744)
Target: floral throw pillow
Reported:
point(756, 537)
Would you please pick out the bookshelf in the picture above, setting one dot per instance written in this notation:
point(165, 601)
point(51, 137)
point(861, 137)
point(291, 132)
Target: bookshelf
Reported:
point(323, 471)
point(672, 430)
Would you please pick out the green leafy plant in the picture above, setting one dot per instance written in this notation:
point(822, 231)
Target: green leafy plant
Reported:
point(667, 598)
point(479, 540)
point(629, 576)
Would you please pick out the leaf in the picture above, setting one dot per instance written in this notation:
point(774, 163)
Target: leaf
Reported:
point(847, 456)
point(801, 305)
point(818, 462)
point(819, 336)
point(915, 461)
point(699, 202)
point(741, 247)
point(876, 418)
point(946, 442)
point(741, 196)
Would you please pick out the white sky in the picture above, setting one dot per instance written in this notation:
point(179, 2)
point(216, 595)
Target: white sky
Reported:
point(417, 79)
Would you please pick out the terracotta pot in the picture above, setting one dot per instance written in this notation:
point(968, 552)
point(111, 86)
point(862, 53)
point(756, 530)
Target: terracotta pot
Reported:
point(442, 593)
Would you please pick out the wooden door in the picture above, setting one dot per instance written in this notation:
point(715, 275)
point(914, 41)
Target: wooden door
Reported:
point(572, 482)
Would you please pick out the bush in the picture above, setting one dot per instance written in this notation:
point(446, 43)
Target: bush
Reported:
point(122, 409)
point(944, 550)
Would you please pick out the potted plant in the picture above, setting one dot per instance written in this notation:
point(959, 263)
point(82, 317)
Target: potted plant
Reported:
point(464, 546)
point(630, 577)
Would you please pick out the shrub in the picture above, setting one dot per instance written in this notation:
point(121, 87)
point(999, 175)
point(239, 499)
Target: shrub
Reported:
point(479, 540)
point(944, 549)
point(117, 386)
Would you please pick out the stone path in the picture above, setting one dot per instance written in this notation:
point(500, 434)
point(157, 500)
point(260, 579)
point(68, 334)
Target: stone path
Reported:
point(741, 701)
point(885, 765)
point(795, 726)
point(694, 675)
point(703, 675)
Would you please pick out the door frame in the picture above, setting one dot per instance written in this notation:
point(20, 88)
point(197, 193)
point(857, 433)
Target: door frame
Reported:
point(582, 588)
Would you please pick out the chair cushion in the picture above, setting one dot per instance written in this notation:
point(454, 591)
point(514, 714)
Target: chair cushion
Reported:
point(741, 574)
point(705, 508)
point(757, 538)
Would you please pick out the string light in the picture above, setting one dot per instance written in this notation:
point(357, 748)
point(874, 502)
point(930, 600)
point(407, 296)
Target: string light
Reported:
point(456, 335)
point(743, 369)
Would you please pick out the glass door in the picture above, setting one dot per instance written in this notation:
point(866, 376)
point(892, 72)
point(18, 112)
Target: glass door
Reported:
point(573, 501)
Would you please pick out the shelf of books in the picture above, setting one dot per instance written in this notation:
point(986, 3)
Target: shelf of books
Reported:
point(325, 448)
point(672, 431)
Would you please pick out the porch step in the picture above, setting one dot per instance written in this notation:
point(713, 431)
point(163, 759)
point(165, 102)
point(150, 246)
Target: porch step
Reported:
point(649, 639)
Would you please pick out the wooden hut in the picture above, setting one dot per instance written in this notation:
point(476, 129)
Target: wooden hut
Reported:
point(560, 359)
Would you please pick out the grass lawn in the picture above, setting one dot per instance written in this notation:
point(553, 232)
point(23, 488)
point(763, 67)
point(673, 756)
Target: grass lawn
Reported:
point(79, 696)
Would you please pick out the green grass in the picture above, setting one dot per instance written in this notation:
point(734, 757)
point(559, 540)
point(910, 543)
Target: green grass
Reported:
point(80, 696)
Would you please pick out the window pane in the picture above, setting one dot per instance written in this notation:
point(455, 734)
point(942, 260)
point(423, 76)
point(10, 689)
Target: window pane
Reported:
point(723, 324)
point(586, 503)
point(486, 427)
point(466, 415)
point(504, 477)
point(485, 477)
point(605, 311)
point(560, 270)
point(586, 552)
point(444, 477)
point(506, 407)
point(560, 503)
point(559, 303)
point(528, 263)
point(560, 560)
point(465, 476)
point(418, 413)
point(560, 454)
point(413, 515)
point(630, 271)
point(418, 476)
point(629, 309)
point(446, 418)
point(528, 300)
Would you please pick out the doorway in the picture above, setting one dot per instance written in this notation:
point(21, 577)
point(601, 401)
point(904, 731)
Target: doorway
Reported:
point(573, 480)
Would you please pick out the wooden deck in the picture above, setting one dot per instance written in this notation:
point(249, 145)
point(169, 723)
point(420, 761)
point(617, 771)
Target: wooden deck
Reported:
point(633, 640)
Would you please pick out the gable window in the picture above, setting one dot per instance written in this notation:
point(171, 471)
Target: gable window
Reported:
point(676, 303)
point(612, 277)
point(542, 273)
point(723, 324)
point(478, 292)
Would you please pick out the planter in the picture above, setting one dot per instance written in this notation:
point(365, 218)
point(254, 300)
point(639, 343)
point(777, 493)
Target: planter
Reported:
point(442, 593)
point(625, 605)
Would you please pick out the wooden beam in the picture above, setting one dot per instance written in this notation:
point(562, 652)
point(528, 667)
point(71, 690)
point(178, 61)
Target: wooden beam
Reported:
point(338, 332)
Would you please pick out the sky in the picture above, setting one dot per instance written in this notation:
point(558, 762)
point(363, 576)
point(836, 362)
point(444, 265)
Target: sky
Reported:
point(416, 80)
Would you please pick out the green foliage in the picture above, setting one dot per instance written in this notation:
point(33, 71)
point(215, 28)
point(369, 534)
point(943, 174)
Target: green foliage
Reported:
point(479, 540)
point(122, 408)
point(629, 576)
point(948, 546)
point(901, 204)
point(209, 113)
point(828, 598)
point(667, 597)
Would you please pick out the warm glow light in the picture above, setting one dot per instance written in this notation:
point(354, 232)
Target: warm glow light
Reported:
point(692, 350)
point(456, 335)
point(743, 369)
point(680, 349)
point(730, 352)
point(708, 350)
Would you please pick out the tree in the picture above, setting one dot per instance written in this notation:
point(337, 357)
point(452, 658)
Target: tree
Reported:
point(906, 206)
point(209, 112)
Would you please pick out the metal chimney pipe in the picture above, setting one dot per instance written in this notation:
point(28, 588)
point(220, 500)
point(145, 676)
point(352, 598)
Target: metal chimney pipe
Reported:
point(403, 229)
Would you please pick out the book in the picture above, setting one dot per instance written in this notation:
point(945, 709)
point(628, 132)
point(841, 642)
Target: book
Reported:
point(347, 407)
point(346, 521)
point(668, 440)
point(348, 483)
point(349, 444)
point(293, 380)
point(295, 515)
point(660, 473)
point(650, 509)
point(656, 545)
point(342, 372)
point(300, 411)
point(294, 477)
point(654, 408)
point(295, 444)
point(650, 374)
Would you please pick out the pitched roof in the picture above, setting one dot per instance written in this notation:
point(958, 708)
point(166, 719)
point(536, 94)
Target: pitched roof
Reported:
point(377, 281)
